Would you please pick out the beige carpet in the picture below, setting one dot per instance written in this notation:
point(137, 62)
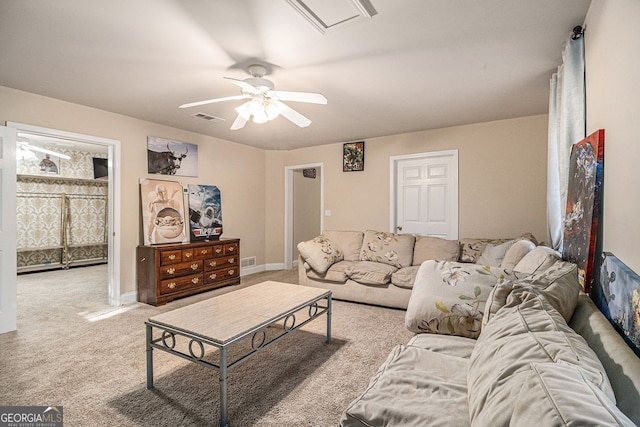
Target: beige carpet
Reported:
point(72, 349)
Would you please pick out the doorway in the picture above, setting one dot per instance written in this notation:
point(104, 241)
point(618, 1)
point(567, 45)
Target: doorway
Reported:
point(110, 149)
point(304, 207)
point(424, 194)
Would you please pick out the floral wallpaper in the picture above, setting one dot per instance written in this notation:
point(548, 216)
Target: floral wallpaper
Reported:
point(61, 217)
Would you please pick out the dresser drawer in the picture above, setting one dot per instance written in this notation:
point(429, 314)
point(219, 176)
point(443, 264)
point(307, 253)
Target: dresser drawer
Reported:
point(202, 252)
point(182, 269)
point(179, 283)
point(231, 248)
point(170, 257)
point(222, 262)
point(222, 274)
point(188, 255)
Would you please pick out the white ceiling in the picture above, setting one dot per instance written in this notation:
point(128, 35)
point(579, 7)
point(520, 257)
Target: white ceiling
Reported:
point(416, 65)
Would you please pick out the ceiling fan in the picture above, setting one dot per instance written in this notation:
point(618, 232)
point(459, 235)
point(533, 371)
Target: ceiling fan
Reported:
point(263, 102)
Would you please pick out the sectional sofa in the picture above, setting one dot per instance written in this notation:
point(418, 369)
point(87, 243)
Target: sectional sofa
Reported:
point(535, 353)
point(380, 268)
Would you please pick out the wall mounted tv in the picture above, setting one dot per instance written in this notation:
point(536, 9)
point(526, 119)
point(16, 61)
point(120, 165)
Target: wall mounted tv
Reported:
point(100, 168)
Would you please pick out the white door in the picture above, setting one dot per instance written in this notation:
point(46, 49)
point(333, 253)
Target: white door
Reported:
point(426, 194)
point(7, 229)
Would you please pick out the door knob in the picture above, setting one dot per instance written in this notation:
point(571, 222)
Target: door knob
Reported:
point(399, 228)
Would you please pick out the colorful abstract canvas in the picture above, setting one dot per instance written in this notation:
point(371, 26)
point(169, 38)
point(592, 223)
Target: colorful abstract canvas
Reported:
point(584, 197)
point(617, 295)
point(205, 212)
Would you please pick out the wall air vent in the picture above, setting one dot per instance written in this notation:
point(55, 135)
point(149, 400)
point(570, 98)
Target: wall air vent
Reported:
point(209, 118)
point(327, 15)
point(247, 262)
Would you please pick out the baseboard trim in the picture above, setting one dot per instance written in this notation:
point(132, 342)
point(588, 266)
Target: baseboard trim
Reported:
point(252, 270)
point(275, 266)
point(128, 298)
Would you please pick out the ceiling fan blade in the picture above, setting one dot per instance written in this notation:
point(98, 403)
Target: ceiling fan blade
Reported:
point(313, 98)
point(291, 114)
point(245, 86)
point(238, 123)
point(211, 101)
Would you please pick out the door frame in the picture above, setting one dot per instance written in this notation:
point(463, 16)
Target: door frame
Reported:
point(393, 170)
point(113, 209)
point(288, 208)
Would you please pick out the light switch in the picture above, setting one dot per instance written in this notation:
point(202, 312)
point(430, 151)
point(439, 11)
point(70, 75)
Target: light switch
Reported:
point(327, 212)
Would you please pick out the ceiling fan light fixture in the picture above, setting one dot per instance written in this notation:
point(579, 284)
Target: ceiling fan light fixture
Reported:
point(260, 117)
point(271, 110)
point(245, 110)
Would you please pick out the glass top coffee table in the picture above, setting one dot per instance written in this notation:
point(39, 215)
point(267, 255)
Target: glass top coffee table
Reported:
point(246, 318)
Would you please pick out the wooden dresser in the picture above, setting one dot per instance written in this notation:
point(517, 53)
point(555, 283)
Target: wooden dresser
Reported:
point(167, 272)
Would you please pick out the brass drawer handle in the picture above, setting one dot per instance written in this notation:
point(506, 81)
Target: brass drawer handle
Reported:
point(213, 263)
point(218, 250)
point(203, 252)
point(231, 272)
point(232, 248)
point(172, 257)
point(213, 276)
point(171, 285)
point(232, 260)
point(195, 280)
point(188, 255)
point(171, 270)
point(194, 267)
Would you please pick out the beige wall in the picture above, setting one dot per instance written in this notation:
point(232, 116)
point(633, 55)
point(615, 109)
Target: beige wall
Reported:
point(612, 43)
point(502, 180)
point(236, 169)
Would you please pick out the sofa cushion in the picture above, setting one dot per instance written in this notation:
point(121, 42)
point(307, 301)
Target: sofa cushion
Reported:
point(449, 297)
point(559, 284)
point(493, 255)
point(516, 252)
point(405, 277)
point(429, 247)
point(370, 273)
point(531, 331)
point(447, 344)
point(388, 248)
point(320, 253)
point(539, 259)
point(335, 273)
point(349, 242)
point(559, 394)
point(413, 387)
point(471, 249)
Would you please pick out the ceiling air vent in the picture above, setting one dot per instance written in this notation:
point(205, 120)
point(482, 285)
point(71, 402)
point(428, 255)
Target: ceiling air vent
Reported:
point(207, 117)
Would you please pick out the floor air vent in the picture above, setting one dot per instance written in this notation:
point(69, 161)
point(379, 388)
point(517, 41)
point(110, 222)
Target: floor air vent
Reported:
point(248, 262)
point(207, 117)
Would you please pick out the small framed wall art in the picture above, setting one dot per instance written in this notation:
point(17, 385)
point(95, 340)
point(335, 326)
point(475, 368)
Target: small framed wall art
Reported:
point(353, 157)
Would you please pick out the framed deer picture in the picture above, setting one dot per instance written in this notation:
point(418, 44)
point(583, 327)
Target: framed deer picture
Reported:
point(167, 157)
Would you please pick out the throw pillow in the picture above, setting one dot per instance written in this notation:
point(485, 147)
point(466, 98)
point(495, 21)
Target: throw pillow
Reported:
point(493, 255)
point(370, 273)
point(349, 242)
point(516, 253)
point(335, 273)
point(429, 247)
point(388, 248)
point(449, 297)
point(320, 253)
point(471, 249)
point(559, 394)
point(539, 259)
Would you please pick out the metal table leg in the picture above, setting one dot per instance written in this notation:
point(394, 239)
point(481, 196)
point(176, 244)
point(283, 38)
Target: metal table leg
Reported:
point(223, 387)
point(149, 359)
point(329, 319)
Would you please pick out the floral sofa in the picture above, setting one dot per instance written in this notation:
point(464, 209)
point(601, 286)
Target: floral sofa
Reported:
point(380, 268)
point(499, 347)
